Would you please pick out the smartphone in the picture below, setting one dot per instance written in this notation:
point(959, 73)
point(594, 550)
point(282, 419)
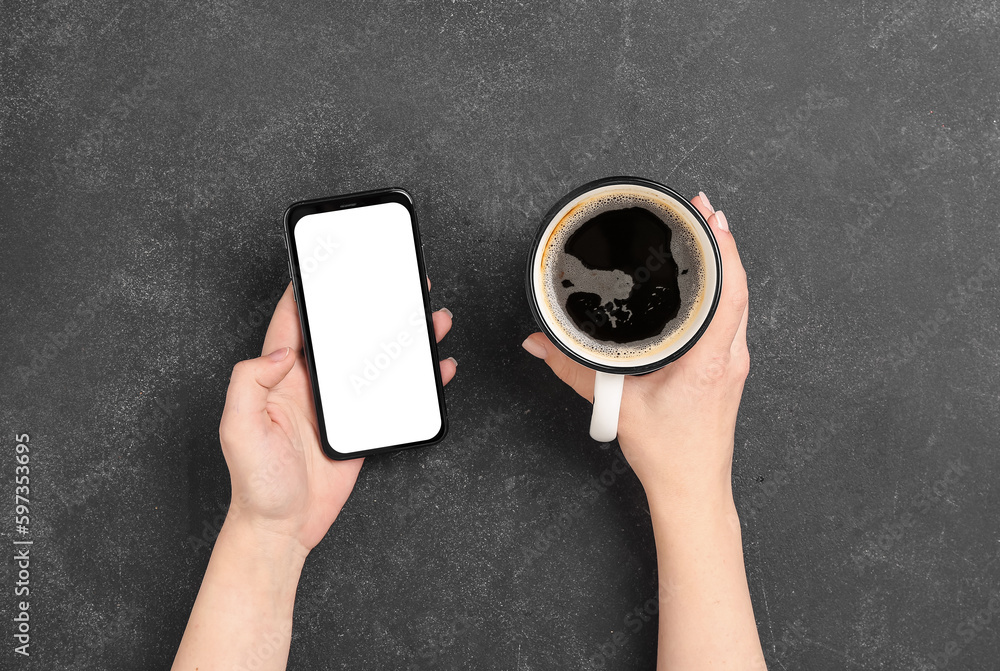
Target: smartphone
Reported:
point(361, 289)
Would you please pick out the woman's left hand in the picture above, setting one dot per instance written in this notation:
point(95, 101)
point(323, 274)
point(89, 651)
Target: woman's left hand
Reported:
point(282, 482)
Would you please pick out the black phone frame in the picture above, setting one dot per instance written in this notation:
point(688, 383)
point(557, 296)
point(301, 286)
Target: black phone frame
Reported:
point(294, 213)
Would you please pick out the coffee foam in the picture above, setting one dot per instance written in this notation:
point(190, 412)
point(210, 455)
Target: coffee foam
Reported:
point(684, 246)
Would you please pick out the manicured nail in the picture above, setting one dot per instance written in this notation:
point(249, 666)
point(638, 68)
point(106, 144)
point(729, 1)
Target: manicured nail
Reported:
point(706, 200)
point(720, 219)
point(534, 348)
point(447, 312)
point(452, 359)
point(279, 354)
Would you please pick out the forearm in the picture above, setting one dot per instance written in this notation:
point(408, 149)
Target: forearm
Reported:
point(706, 617)
point(242, 618)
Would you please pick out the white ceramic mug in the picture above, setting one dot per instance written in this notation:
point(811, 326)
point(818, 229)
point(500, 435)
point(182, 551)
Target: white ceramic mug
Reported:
point(611, 372)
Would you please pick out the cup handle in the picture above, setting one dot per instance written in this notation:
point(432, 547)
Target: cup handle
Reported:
point(607, 403)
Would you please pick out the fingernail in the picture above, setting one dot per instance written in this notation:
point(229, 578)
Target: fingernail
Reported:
point(534, 348)
point(452, 359)
point(279, 354)
point(720, 219)
point(447, 312)
point(707, 201)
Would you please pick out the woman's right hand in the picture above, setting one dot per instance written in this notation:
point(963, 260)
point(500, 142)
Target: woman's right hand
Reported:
point(676, 429)
point(677, 425)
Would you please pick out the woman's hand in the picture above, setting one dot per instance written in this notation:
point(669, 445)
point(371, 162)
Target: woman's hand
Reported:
point(676, 429)
point(282, 482)
point(677, 424)
point(286, 494)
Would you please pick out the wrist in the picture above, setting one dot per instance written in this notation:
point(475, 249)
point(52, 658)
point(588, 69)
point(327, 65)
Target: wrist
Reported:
point(684, 474)
point(274, 559)
point(268, 532)
point(246, 600)
point(703, 499)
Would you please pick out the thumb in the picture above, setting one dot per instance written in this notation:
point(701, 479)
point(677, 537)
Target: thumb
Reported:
point(577, 376)
point(253, 379)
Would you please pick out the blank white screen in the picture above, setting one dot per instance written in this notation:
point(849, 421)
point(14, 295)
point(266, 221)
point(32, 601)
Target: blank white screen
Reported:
point(364, 303)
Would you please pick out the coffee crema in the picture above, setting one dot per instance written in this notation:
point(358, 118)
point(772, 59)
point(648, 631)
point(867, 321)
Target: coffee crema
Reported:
point(623, 273)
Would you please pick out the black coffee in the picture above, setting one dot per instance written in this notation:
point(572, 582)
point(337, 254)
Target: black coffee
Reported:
point(624, 273)
point(635, 241)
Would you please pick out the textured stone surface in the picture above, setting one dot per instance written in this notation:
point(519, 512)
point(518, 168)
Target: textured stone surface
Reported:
point(148, 151)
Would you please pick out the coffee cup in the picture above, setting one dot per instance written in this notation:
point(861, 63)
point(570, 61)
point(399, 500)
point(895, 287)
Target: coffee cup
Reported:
point(623, 276)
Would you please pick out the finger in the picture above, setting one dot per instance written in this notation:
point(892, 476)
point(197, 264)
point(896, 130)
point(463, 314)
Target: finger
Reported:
point(442, 323)
point(252, 380)
point(428, 283)
point(702, 203)
point(733, 299)
point(577, 376)
point(740, 340)
point(284, 329)
point(448, 369)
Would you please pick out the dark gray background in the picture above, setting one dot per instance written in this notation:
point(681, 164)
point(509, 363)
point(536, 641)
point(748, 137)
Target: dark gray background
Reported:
point(149, 149)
